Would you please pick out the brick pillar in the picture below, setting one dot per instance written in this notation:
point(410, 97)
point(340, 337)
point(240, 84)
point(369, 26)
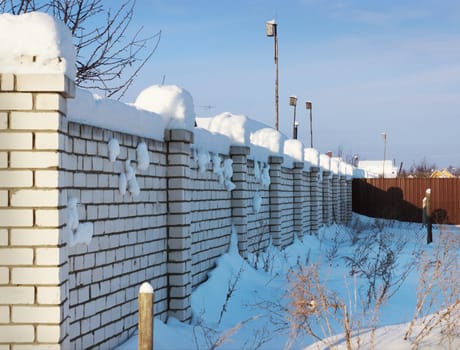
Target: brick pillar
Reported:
point(33, 256)
point(275, 199)
point(314, 199)
point(335, 199)
point(327, 198)
point(343, 199)
point(349, 199)
point(298, 197)
point(240, 196)
point(179, 222)
point(306, 210)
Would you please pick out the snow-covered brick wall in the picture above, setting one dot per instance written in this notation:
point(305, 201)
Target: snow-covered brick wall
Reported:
point(287, 207)
point(128, 243)
point(211, 220)
point(259, 210)
point(97, 196)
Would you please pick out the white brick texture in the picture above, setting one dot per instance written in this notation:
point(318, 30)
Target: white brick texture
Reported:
point(15, 101)
point(17, 295)
point(4, 314)
point(7, 82)
point(15, 140)
point(34, 237)
point(16, 217)
point(49, 295)
point(4, 275)
point(34, 120)
point(16, 334)
point(16, 256)
point(50, 102)
point(36, 314)
point(3, 237)
point(49, 140)
point(35, 198)
point(48, 256)
point(3, 120)
point(35, 275)
point(38, 160)
point(48, 333)
point(16, 178)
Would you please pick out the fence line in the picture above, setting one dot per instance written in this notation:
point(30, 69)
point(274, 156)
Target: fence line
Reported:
point(401, 198)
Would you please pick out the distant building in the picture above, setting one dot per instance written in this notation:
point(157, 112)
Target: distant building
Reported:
point(442, 174)
point(374, 168)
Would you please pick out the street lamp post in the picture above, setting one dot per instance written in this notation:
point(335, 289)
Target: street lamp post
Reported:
point(308, 105)
point(384, 135)
point(271, 31)
point(293, 102)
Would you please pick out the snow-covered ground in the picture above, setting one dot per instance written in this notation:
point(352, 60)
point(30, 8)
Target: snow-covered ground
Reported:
point(243, 307)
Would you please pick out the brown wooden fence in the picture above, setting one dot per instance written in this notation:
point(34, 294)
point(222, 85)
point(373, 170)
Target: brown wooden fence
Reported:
point(401, 198)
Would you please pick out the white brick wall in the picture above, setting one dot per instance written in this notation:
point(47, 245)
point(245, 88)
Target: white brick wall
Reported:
point(15, 101)
point(17, 333)
point(7, 82)
point(16, 256)
point(129, 244)
point(36, 198)
point(34, 120)
point(36, 314)
point(16, 178)
point(38, 160)
point(35, 275)
point(17, 295)
point(16, 141)
point(16, 217)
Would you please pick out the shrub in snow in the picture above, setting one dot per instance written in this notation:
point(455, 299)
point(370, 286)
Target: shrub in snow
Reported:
point(172, 103)
point(79, 233)
point(114, 149)
point(256, 202)
point(143, 159)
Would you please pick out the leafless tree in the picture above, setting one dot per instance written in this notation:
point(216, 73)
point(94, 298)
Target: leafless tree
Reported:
point(108, 59)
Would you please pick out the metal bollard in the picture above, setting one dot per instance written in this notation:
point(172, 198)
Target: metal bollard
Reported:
point(429, 221)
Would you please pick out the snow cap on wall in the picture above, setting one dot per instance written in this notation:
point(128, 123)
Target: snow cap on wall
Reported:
point(171, 102)
point(35, 43)
point(87, 108)
point(325, 161)
point(311, 155)
point(294, 149)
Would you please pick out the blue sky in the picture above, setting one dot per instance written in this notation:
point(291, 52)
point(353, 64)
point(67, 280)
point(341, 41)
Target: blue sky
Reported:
point(368, 67)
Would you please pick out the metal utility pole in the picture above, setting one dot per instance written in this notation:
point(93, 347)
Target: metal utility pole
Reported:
point(384, 135)
point(308, 105)
point(293, 102)
point(271, 31)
